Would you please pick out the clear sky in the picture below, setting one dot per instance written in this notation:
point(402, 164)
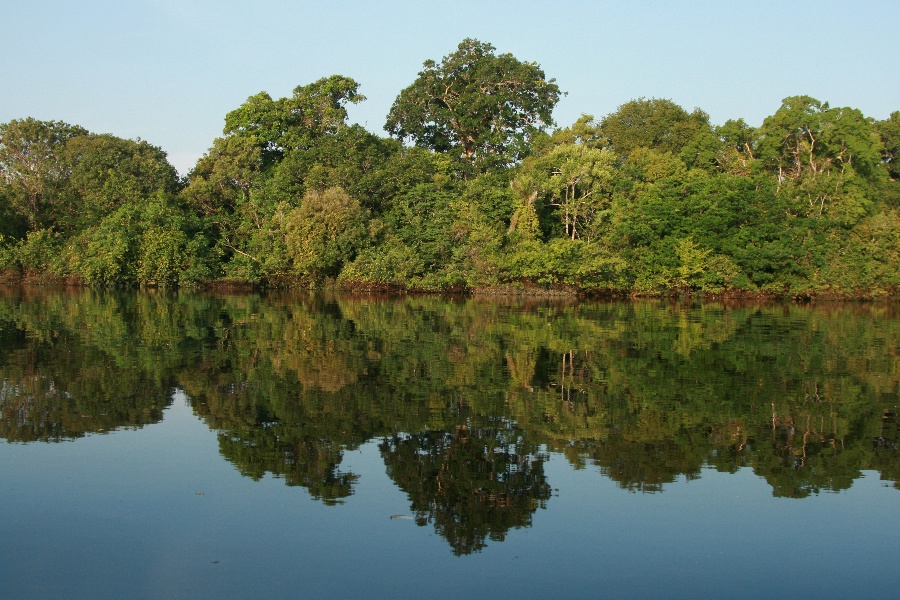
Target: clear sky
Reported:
point(168, 71)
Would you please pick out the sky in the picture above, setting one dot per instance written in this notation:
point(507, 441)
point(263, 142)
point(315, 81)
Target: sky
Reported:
point(168, 71)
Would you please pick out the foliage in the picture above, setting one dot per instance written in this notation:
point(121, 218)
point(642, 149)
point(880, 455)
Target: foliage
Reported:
point(154, 244)
point(889, 132)
point(479, 105)
point(324, 233)
point(656, 123)
point(575, 179)
point(649, 200)
point(278, 126)
point(32, 167)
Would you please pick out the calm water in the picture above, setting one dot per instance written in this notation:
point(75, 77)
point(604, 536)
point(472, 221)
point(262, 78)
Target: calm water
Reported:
point(192, 446)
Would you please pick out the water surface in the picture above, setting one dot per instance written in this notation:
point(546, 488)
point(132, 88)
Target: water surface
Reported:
point(168, 446)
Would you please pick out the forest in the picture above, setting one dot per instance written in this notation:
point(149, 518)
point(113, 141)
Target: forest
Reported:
point(474, 189)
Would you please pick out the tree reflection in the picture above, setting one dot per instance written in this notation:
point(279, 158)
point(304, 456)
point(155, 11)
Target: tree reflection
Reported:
point(54, 387)
point(472, 484)
point(280, 430)
point(887, 448)
point(644, 393)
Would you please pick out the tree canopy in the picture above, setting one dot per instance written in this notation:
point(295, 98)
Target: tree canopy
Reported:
point(652, 199)
point(484, 106)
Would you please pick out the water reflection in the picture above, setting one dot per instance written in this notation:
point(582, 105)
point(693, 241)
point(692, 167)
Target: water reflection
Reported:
point(467, 397)
point(471, 484)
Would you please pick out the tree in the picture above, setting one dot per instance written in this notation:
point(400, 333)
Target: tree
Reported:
point(821, 155)
point(735, 154)
point(484, 106)
point(32, 165)
point(806, 137)
point(106, 172)
point(657, 123)
point(260, 169)
point(889, 130)
point(575, 178)
point(325, 232)
point(280, 125)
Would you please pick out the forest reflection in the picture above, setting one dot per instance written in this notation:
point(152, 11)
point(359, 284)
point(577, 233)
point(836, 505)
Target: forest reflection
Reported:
point(467, 398)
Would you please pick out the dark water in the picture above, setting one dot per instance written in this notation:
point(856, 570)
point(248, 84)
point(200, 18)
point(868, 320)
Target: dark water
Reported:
point(193, 446)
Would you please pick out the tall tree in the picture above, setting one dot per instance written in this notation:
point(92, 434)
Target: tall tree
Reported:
point(33, 167)
point(241, 185)
point(313, 110)
point(484, 106)
point(573, 177)
point(808, 137)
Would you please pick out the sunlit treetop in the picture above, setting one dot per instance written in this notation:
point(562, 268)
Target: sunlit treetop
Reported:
point(484, 106)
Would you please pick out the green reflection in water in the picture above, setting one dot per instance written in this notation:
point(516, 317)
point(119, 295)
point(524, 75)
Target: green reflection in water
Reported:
point(466, 397)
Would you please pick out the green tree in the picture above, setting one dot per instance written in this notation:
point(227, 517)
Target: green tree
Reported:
point(349, 158)
point(825, 158)
point(736, 152)
point(575, 179)
point(324, 233)
point(889, 131)
point(106, 172)
point(33, 169)
point(483, 106)
point(272, 152)
point(656, 123)
point(807, 137)
point(314, 110)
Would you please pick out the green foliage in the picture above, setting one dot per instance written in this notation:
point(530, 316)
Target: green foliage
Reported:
point(107, 172)
point(324, 233)
point(656, 123)
point(492, 196)
point(349, 158)
point(274, 154)
point(648, 165)
point(33, 169)
point(153, 244)
point(577, 181)
point(223, 177)
point(483, 107)
point(423, 218)
point(806, 137)
point(173, 249)
point(736, 152)
point(35, 256)
point(107, 254)
point(889, 132)
point(277, 126)
point(650, 199)
point(390, 263)
point(567, 262)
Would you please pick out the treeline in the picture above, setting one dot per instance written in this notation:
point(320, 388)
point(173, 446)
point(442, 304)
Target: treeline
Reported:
point(474, 190)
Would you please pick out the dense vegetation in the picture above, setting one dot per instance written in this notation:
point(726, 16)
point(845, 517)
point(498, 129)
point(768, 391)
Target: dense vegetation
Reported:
point(475, 190)
point(466, 398)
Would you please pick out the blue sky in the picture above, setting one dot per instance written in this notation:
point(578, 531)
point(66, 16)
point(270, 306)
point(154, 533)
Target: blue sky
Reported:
point(168, 71)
